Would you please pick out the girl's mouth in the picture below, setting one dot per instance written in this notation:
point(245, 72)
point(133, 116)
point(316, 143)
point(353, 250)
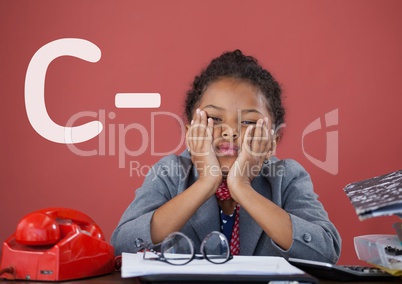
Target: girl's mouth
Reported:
point(227, 149)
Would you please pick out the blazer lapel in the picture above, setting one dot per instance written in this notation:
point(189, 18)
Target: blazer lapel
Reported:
point(206, 219)
point(250, 231)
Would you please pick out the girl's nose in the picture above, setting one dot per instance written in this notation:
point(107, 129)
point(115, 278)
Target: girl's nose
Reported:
point(230, 133)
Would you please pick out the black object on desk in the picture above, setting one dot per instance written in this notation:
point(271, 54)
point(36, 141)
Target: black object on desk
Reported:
point(330, 271)
point(226, 279)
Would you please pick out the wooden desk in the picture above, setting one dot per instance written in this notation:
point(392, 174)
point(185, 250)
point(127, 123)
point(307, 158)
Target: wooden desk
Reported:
point(116, 278)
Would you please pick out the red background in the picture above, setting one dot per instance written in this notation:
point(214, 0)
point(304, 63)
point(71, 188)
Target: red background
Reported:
point(328, 55)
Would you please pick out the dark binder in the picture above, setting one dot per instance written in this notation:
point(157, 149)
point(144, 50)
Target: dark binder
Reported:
point(377, 196)
point(225, 279)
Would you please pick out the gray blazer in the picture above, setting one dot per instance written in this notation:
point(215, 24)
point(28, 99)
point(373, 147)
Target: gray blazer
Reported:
point(284, 182)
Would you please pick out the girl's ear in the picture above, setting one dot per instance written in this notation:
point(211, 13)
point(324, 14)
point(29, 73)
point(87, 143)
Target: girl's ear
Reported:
point(273, 146)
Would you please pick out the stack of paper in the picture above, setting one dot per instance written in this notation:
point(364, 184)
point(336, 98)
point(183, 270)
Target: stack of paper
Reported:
point(133, 265)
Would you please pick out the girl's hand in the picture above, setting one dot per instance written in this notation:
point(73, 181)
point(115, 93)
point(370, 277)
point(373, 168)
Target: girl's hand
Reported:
point(257, 146)
point(200, 145)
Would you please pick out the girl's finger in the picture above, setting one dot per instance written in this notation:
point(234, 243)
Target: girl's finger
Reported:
point(189, 134)
point(266, 137)
point(203, 133)
point(196, 129)
point(210, 128)
point(248, 139)
point(256, 138)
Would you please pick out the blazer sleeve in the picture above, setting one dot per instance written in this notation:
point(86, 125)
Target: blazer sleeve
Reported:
point(314, 235)
point(160, 185)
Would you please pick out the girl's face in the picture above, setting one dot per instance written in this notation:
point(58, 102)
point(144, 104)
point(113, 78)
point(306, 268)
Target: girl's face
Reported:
point(233, 104)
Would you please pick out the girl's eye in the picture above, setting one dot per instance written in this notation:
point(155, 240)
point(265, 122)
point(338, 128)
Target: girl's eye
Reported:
point(248, 122)
point(215, 119)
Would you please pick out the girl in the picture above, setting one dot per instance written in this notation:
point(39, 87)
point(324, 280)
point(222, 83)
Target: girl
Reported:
point(228, 179)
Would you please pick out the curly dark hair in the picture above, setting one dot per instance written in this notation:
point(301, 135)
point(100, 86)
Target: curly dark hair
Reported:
point(235, 64)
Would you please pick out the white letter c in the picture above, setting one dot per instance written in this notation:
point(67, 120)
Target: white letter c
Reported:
point(35, 91)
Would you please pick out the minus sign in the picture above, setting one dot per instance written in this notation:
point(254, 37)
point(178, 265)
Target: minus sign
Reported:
point(137, 100)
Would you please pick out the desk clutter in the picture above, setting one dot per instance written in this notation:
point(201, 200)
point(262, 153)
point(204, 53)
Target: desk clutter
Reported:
point(374, 197)
point(383, 251)
point(323, 270)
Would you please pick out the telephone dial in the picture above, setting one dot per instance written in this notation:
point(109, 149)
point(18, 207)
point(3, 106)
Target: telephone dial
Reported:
point(56, 244)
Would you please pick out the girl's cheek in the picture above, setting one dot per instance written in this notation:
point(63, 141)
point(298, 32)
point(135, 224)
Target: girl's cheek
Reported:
point(243, 130)
point(217, 132)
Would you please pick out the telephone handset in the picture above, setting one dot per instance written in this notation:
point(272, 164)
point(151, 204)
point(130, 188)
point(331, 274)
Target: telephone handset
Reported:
point(47, 226)
point(56, 244)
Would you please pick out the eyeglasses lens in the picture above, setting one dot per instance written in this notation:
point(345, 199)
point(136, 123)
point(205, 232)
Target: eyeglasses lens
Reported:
point(216, 248)
point(177, 249)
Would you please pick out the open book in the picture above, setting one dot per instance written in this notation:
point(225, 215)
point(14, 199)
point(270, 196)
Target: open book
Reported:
point(377, 196)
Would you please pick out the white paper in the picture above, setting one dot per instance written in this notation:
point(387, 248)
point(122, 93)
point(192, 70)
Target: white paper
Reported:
point(134, 265)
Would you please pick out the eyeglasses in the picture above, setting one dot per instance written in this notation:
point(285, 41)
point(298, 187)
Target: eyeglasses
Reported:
point(178, 249)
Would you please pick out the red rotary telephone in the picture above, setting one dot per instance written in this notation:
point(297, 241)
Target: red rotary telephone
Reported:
point(56, 244)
